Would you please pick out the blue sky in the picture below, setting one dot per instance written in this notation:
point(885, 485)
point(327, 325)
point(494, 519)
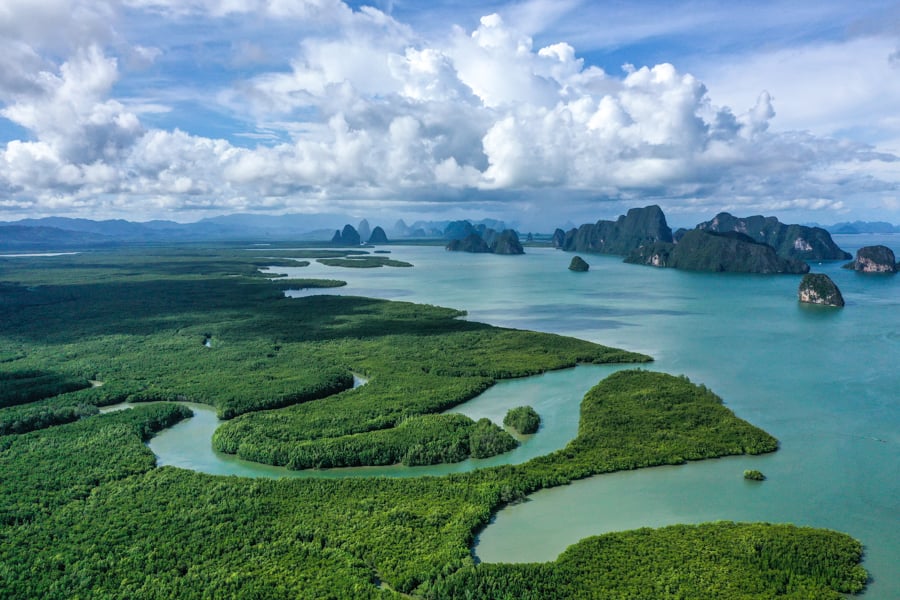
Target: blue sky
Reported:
point(537, 112)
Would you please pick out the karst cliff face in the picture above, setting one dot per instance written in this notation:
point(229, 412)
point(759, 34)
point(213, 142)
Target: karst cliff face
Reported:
point(700, 250)
point(817, 288)
point(874, 259)
point(789, 241)
point(640, 226)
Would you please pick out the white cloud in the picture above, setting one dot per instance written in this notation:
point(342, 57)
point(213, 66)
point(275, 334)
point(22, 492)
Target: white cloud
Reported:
point(498, 65)
point(309, 10)
point(822, 87)
point(57, 25)
point(427, 75)
point(368, 109)
point(67, 110)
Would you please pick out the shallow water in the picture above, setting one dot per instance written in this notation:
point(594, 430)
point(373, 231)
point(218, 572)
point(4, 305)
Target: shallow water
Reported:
point(555, 395)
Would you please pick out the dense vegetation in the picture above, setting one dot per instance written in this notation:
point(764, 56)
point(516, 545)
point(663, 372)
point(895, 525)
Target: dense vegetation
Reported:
point(579, 265)
point(754, 475)
point(364, 262)
point(305, 284)
point(753, 561)
point(638, 227)
point(634, 419)
point(523, 419)
point(442, 363)
point(702, 250)
point(416, 440)
point(789, 241)
point(22, 387)
point(44, 470)
point(84, 513)
point(140, 325)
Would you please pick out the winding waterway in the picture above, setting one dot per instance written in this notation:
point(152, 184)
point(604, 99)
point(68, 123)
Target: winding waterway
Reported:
point(824, 381)
point(555, 395)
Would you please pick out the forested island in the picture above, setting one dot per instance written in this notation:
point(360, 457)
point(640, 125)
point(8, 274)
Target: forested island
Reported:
point(85, 512)
point(818, 288)
point(700, 250)
point(579, 265)
point(873, 259)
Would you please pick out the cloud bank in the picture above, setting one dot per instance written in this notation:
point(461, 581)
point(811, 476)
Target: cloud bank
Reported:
point(366, 112)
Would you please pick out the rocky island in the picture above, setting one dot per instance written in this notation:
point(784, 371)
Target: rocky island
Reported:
point(724, 244)
point(505, 242)
point(818, 288)
point(874, 259)
point(486, 240)
point(378, 236)
point(349, 236)
point(579, 265)
point(789, 241)
point(640, 226)
point(700, 250)
point(471, 243)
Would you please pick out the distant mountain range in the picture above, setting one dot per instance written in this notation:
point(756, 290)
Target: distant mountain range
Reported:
point(66, 233)
point(863, 227)
point(23, 237)
point(441, 229)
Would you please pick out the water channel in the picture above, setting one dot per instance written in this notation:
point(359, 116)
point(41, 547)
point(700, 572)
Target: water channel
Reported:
point(555, 395)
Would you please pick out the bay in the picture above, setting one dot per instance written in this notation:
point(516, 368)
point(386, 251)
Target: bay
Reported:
point(824, 381)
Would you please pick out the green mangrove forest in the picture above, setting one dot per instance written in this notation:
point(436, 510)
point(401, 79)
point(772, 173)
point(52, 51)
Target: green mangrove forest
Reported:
point(86, 513)
point(523, 419)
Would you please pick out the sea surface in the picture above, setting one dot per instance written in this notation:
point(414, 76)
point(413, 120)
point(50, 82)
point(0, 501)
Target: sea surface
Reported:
point(824, 381)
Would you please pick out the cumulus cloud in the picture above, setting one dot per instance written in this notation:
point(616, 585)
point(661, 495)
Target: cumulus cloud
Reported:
point(368, 109)
point(68, 111)
point(57, 25)
point(824, 87)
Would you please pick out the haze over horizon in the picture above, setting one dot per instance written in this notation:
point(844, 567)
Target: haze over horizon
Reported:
point(537, 113)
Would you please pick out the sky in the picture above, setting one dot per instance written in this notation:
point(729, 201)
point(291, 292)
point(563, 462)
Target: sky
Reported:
point(538, 112)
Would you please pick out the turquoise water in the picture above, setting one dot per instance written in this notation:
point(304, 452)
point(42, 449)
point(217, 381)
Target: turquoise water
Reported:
point(823, 381)
point(556, 396)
